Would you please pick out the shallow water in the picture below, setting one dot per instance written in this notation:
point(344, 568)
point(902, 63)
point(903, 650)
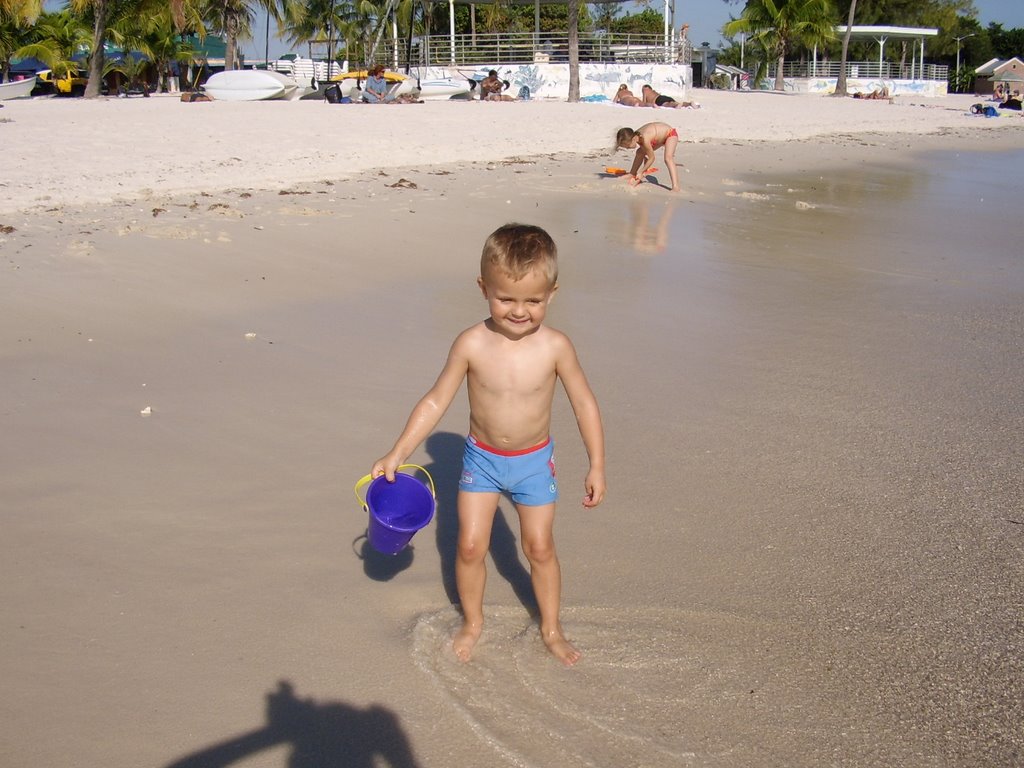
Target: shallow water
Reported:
point(834, 358)
point(810, 551)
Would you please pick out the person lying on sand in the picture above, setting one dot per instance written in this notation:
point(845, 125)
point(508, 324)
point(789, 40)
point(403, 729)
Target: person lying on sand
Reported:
point(652, 98)
point(626, 97)
point(878, 93)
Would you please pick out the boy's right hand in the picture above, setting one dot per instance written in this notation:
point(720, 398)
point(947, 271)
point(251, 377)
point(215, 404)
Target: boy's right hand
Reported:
point(387, 466)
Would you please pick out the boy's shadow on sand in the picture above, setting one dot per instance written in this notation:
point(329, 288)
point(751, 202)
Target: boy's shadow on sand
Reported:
point(322, 735)
point(445, 450)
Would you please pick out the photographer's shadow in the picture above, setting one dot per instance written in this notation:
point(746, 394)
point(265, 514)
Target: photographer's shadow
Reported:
point(322, 735)
point(445, 450)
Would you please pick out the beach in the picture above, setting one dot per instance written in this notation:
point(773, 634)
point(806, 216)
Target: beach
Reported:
point(217, 315)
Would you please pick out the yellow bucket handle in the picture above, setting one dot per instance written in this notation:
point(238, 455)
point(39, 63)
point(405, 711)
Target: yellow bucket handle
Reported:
point(365, 480)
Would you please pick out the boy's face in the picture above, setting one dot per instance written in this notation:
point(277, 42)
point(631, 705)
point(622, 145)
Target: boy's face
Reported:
point(517, 307)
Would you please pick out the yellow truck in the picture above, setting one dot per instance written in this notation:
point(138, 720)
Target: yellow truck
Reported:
point(72, 83)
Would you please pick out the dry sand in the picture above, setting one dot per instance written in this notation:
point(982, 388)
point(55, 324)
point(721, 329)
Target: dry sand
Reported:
point(809, 365)
point(70, 151)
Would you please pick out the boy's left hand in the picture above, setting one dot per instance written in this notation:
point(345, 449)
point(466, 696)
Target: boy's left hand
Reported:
point(595, 488)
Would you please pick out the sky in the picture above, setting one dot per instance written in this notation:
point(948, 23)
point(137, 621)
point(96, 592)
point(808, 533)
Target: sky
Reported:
point(705, 17)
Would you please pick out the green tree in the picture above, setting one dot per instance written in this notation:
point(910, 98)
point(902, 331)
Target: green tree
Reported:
point(1006, 43)
point(781, 26)
point(16, 31)
point(54, 39)
point(647, 22)
point(233, 20)
point(328, 20)
point(163, 43)
point(158, 39)
point(103, 13)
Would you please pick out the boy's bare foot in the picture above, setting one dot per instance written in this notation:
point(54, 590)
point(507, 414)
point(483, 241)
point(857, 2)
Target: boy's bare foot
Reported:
point(465, 640)
point(561, 648)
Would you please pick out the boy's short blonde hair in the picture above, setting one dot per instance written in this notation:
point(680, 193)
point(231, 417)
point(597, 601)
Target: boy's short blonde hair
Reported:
point(518, 249)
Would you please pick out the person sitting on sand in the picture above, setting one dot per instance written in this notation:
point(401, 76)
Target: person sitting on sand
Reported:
point(376, 91)
point(645, 140)
point(511, 363)
point(491, 87)
point(626, 97)
point(651, 98)
point(505, 84)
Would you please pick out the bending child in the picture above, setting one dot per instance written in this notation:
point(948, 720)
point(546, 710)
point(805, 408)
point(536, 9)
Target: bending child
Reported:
point(511, 362)
point(645, 140)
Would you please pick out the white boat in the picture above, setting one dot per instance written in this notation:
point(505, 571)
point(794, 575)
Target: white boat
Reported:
point(435, 89)
point(444, 88)
point(17, 89)
point(249, 85)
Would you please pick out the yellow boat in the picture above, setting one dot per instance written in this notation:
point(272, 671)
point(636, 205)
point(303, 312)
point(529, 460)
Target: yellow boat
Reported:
point(362, 74)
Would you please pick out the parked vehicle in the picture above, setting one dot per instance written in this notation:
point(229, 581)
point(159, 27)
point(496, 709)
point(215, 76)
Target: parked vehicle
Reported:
point(71, 83)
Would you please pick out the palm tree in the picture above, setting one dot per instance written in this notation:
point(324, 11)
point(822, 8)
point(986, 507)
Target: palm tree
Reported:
point(16, 17)
point(302, 20)
point(104, 12)
point(158, 39)
point(779, 25)
point(841, 79)
point(27, 10)
point(163, 43)
point(574, 50)
point(234, 20)
point(54, 39)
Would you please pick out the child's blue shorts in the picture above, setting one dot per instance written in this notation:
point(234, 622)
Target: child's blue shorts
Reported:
point(528, 475)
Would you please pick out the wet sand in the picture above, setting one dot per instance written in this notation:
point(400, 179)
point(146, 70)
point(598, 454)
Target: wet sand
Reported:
point(809, 369)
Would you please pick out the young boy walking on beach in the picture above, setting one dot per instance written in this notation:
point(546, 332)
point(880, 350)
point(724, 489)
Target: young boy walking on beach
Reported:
point(511, 362)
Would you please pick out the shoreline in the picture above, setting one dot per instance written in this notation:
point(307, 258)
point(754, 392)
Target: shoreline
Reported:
point(271, 146)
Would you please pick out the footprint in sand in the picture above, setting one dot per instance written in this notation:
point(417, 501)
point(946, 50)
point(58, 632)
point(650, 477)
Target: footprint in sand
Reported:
point(307, 211)
point(749, 195)
point(81, 248)
point(172, 232)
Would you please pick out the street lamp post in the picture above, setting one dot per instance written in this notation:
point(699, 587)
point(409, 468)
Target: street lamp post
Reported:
point(958, 39)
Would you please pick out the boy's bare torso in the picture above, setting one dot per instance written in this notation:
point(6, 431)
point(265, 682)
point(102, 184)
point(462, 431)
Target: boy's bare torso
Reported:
point(511, 384)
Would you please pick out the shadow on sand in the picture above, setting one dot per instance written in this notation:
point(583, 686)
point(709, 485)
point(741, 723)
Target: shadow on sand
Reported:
point(322, 735)
point(445, 450)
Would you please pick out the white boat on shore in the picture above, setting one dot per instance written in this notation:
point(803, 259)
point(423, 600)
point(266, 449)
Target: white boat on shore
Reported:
point(434, 89)
point(17, 89)
point(249, 85)
point(443, 88)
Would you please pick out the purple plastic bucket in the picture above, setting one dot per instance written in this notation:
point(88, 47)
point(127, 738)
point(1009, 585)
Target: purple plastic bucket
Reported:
point(397, 510)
